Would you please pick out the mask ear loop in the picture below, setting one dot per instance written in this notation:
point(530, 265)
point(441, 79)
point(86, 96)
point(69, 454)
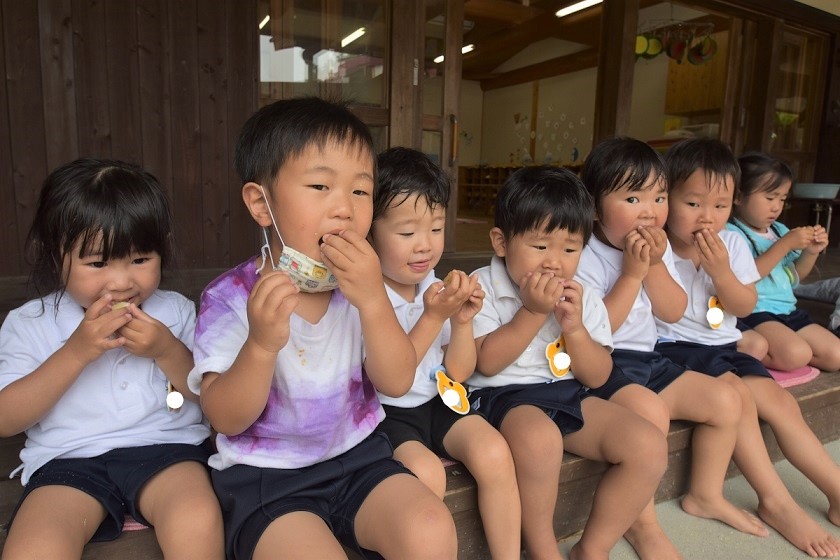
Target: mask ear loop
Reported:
point(266, 249)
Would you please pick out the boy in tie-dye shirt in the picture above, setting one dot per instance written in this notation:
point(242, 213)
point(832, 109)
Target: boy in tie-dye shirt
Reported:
point(291, 347)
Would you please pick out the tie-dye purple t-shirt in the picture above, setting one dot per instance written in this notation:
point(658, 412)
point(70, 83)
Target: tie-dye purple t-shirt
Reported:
point(321, 402)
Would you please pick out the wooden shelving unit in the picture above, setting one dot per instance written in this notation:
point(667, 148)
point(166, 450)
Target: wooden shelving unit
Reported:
point(479, 185)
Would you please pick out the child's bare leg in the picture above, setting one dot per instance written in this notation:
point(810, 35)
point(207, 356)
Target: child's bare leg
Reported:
point(825, 346)
point(716, 408)
point(786, 349)
point(798, 443)
point(775, 504)
point(487, 456)
point(646, 535)
point(638, 456)
point(180, 503)
point(53, 522)
point(425, 465)
point(300, 534)
point(537, 448)
point(402, 518)
point(753, 344)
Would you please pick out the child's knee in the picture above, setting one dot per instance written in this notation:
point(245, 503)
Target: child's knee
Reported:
point(754, 345)
point(429, 469)
point(794, 354)
point(650, 449)
point(726, 403)
point(431, 531)
point(492, 462)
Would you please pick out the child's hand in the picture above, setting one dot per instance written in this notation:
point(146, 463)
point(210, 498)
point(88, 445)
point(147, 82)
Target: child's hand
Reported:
point(442, 300)
point(540, 292)
point(569, 310)
point(820, 241)
point(354, 262)
point(799, 238)
point(714, 257)
point(472, 306)
point(270, 305)
point(636, 261)
point(97, 333)
point(145, 336)
point(657, 239)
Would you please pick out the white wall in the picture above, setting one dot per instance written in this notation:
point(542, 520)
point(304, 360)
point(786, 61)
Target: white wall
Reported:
point(830, 6)
point(650, 80)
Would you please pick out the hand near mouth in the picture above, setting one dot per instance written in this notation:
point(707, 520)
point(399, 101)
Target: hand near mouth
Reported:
point(354, 263)
point(98, 332)
point(714, 257)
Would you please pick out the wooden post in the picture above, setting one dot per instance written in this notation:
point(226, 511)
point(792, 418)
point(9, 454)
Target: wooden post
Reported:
point(616, 62)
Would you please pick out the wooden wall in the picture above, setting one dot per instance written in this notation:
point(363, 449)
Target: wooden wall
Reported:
point(162, 83)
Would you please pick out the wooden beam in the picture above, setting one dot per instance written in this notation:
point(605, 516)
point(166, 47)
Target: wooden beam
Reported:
point(547, 69)
point(500, 10)
point(616, 63)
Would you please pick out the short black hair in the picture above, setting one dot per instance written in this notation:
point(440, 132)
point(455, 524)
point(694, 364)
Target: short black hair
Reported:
point(620, 162)
point(95, 201)
point(543, 197)
point(709, 154)
point(762, 172)
point(404, 172)
point(284, 129)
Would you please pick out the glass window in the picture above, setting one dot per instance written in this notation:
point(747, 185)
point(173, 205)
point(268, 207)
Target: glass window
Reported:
point(315, 47)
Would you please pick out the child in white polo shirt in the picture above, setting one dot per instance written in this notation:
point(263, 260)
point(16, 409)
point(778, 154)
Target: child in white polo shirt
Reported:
point(95, 372)
point(717, 269)
point(434, 419)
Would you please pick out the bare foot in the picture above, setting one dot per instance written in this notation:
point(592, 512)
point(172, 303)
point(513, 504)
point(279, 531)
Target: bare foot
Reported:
point(651, 543)
point(726, 512)
point(803, 532)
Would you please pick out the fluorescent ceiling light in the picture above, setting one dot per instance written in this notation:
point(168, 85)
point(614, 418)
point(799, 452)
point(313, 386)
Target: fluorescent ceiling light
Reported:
point(353, 36)
point(576, 7)
point(264, 21)
point(464, 50)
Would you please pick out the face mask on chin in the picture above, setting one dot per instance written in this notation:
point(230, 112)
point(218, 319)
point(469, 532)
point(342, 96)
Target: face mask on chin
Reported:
point(308, 274)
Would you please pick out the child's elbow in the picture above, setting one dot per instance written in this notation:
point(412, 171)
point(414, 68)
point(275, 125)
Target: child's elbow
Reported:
point(397, 386)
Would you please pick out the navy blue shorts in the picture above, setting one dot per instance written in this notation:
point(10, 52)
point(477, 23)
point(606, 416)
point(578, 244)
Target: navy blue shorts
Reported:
point(334, 490)
point(114, 479)
point(649, 369)
point(794, 321)
point(428, 423)
point(712, 360)
point(560, 400)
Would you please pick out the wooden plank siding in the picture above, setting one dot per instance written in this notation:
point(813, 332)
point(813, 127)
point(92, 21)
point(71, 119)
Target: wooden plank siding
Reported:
point(165, 84)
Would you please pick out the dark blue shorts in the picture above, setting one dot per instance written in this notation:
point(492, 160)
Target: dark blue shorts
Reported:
point(334, 490)
point(114, 479)
point(794, 321)
point(649, 369)
point(712, 360)
point(560, 400)
point(428, 423)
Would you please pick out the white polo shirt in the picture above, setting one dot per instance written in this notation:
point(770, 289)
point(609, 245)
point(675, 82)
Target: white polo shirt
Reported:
point(600, 266)
point(408, 313)
point(693, 327)
point(501, 303)
point(118, 401)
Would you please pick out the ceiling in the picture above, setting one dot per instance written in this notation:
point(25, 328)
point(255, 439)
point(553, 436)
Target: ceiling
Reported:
point(499, 29)
point(503, 28)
